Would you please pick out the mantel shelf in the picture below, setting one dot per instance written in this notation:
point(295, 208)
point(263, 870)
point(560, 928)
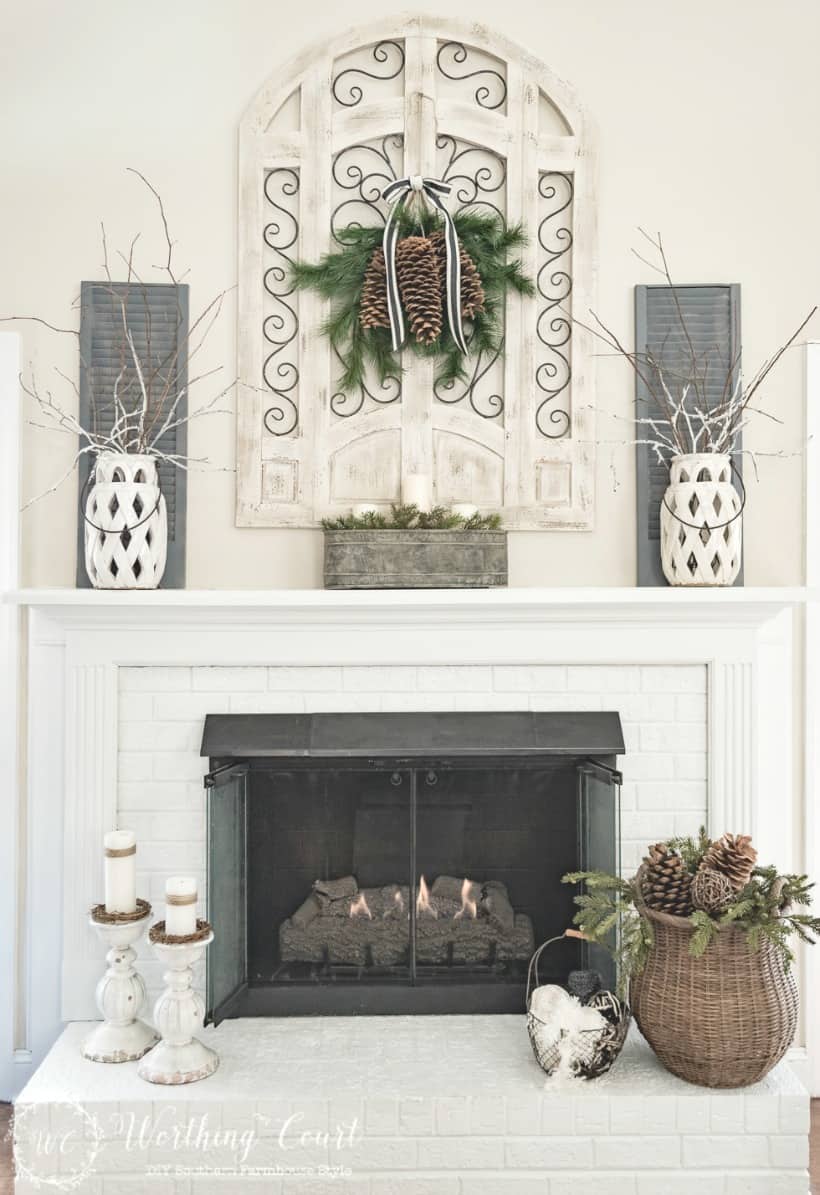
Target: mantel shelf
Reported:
point(243, 609)
point(475, 599)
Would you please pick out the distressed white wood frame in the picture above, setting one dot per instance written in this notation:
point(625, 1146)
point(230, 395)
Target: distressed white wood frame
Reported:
point(80, 640)
point(293, 480)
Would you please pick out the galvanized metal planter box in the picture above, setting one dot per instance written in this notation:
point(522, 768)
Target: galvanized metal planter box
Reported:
point(402, 559)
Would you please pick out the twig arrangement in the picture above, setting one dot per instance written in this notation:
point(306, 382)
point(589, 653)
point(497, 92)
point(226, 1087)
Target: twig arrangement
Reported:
point(146, 401)
point(690, 421)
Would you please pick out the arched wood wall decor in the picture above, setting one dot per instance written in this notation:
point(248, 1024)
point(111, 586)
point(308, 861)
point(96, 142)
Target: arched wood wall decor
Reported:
point(453, 101)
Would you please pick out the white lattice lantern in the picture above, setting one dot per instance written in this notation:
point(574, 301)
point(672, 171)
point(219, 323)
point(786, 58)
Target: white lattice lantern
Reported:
point(701, 522)
point(126, 525)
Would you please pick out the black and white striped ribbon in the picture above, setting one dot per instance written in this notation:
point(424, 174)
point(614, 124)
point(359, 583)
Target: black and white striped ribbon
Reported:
point(397, 194)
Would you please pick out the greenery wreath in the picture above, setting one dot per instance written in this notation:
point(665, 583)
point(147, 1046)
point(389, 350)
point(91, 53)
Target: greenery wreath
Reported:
point(353, 273)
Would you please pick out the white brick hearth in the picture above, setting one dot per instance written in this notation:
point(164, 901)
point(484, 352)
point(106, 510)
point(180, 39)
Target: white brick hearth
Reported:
point(419, 1106)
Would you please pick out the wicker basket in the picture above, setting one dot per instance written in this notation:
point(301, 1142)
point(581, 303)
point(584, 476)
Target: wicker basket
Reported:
point(722, 1020)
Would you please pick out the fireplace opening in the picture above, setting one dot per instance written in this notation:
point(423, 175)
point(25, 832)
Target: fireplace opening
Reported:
point(400, 863)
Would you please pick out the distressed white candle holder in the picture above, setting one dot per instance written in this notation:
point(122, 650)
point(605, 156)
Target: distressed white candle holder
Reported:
point(121, 1037)
point(179, 1012)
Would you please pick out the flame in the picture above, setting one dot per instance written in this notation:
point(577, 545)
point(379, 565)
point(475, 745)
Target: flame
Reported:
point(423, 900)
point(358, 907)
point(468, 906)
point(398, 902)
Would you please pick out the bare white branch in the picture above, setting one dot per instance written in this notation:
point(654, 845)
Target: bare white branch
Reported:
point(52, 488)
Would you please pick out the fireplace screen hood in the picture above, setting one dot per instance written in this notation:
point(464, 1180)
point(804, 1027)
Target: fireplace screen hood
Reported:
point(394, 863)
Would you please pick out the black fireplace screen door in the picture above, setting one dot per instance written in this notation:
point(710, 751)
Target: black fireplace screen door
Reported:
point(345, 888)
point(227, 964)
point(599, 845)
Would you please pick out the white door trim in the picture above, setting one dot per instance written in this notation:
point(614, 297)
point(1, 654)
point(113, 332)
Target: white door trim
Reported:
point(11, 617)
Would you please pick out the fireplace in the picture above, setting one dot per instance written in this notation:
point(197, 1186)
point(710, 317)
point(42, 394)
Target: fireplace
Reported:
point(401, 863)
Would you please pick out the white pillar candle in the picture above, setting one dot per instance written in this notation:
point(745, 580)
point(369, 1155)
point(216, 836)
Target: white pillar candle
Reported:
point(180, 905)
point(465, 509)
point(364, 508)
point(120, 871)
point(417, 490)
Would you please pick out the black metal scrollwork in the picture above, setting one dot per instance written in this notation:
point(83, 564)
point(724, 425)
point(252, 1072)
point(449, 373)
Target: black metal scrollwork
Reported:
point(488, 406)
point(490, 95)
point(350, 94)
point(554, 326)
point(472, 172)
point(346, 405)
point(365, 170)
point(279, 327)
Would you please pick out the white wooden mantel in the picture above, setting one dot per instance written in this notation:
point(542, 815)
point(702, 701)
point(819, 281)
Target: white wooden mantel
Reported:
point(78, 639)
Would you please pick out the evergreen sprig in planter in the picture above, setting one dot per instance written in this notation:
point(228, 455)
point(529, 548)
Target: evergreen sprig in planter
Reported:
point(412, 549)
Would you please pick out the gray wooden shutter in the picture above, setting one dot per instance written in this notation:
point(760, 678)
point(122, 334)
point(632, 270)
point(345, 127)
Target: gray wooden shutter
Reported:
point(712, 315)
point(157, 313)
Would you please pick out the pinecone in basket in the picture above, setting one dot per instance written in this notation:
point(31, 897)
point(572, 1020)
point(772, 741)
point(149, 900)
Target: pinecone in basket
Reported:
point(734, 856)
point(472, 291)
point(373, 311)
point(712, 891)
point(666, 884)
point(417, 272)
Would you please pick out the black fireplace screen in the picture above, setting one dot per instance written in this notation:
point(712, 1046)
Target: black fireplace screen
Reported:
point(394, 886)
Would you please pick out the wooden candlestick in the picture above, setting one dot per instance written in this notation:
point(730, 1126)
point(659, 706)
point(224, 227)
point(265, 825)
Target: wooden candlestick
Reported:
point(179, 1013)
point(121, 1037)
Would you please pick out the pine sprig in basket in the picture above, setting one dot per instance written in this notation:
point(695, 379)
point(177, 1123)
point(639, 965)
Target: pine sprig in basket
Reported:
point(607, 914)
point(765, 908)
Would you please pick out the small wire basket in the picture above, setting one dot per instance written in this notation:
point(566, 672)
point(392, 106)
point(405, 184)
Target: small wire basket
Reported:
point(593, 1050)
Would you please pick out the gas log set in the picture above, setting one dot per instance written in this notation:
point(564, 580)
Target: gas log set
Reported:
point(457, 921)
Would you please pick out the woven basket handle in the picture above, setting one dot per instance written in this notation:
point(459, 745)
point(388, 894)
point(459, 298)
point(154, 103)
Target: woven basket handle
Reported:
point(777, 892)
point(533, 967)
point(640, 903)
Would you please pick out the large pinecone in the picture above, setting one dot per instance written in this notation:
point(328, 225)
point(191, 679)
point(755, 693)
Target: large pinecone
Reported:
point(417, 272)
point(734, 856)
point(666, 884)
point(472, 291)
point(373, 311)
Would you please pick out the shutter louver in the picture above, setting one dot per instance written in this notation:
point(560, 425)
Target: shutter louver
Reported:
point(712, 317)
point(157, 317)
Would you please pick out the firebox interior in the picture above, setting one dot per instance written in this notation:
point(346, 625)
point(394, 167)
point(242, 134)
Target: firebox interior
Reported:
point(350, 872)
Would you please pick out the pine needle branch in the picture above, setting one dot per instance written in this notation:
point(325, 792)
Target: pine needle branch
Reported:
point(338, 277)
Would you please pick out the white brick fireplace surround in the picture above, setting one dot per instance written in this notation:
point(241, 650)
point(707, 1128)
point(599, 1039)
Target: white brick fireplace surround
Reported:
point(119, 685)
point(161, 710)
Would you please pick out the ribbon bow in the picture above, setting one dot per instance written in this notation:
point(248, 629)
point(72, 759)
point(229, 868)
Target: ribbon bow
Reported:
point(397, 194)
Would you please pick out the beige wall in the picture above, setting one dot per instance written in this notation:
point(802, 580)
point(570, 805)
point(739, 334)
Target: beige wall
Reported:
point(706, 115)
